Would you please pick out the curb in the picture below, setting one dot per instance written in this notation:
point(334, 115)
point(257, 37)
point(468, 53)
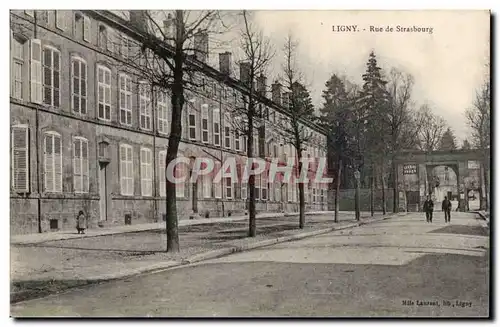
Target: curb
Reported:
point(482, 215)
point(213, 254)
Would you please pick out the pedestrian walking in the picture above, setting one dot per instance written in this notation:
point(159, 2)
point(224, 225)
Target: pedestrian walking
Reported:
point(428, 208)
point(446, 207)
point(81, 222)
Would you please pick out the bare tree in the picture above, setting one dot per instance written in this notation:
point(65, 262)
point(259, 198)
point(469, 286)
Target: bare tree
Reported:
point(400, 119)
point(169, 53)
point(479, 120)
point(299, 108)
point(257, 54)
point(431, 129)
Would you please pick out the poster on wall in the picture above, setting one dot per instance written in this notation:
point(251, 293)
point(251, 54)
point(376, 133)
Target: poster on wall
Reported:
point(410, 169)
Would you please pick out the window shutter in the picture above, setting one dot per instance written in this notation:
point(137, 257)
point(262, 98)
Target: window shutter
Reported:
point(85, 166)
point(163, 184)
point(49, 167)
point(20, 156)
point(130, 171)
point(59, 19)
point(86, 28)
point(57, 164)
point(77, 166)
point(123, 169)
point(36, 70)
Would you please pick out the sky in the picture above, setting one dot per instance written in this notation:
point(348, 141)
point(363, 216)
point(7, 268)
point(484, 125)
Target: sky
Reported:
point(447, 64)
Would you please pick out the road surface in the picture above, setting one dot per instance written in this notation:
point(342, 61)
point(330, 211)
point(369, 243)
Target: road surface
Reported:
point(398, 267)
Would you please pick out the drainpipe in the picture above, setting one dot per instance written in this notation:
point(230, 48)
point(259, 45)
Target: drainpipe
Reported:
point(38, 147)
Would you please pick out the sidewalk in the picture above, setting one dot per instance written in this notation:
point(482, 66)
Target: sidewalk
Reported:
point(50, 266)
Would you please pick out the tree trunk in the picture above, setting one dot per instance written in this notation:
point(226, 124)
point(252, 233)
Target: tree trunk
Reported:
point(384, 200)
point(252, 222)
point(395, 193)
point(337, 190)
point(485, 178)
point(302, 203)
point(175, 136)
point(372, 185)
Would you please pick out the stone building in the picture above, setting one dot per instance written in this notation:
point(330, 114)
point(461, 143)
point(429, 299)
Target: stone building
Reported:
point(86, 134)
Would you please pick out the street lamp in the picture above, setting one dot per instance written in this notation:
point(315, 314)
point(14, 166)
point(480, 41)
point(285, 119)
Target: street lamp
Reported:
point(357, 176)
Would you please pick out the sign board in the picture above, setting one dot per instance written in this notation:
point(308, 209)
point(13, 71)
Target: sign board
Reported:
point(473, 164)
point(410, 169)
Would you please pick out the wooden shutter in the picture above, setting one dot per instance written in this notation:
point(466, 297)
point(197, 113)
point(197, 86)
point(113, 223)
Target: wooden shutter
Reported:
point(36, 70)
point(130, 171)
point(86, 28)
point(57, 163)
point(20, 157)
point(123, 169)
point(161, 169)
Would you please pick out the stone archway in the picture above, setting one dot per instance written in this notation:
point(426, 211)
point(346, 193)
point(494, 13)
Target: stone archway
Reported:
point(443, 180)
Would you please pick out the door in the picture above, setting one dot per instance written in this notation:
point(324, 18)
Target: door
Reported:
point(102, 193)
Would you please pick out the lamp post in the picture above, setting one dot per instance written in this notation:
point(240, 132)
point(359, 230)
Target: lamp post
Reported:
point(357, 176)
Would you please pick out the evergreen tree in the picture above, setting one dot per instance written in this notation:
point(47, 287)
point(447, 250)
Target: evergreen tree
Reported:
point(374, 120)
point(448, 141)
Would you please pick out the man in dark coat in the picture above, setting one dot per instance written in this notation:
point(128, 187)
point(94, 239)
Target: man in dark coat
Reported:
point(428, 208)
point(446, 207)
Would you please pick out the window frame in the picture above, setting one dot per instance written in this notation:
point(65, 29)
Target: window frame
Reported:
point(146, 171)
point(81, 81)
point(85, 188)
point(127, 93)
point(14, 170)
point(106, 87)
point(145, 109)
point(53, 135)
point(204, 118)
point(52, 69)
point(162, 106)
point(129, 165)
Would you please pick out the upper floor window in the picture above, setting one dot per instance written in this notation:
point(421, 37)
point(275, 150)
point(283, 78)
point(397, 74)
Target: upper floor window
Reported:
point(204, 123)
point(80, 165)
point(145, 105)
point(52, 162)
point(104, 93)
point(78, 26)
point(124, 46)
point(51, 76)
point(216, 127)
point(36, 87)
point(103, 37)
point(59, 19)
point(17, 68)
point(20, 158)
point(192, 125)
point(79, 85)
point(162, 104)
point(125, 99)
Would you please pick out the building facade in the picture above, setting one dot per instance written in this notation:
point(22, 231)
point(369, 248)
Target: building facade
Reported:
point(86, 134)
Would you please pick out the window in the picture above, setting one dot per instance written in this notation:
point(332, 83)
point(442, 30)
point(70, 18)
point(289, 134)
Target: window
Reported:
point(181, 172)
point(243, 191)
point(146, 172)
point(20, 158)
point(145, 106)
point(192, 125)
point(103, 37)
point(125, 100)
point(227, 136)
point(257, 187)
point(217, 186)
point(78, 26)
point(263, 187)
point(80, 165)
point(126, 170)
point(162, 112)
point(255, 145)
point(161, 169)
point(53, 162)
point(51, 65)
point(30, 13)
point(277, 191)
point(104, 93)
point(204, 123)
point(229, 188)
point(17, 68)
point(207, 186)
point(237, 142)
point(124, 46)
point(290, 191)
point(216, 127)
point(79, 85)
point(59, 19)
point(86, 28)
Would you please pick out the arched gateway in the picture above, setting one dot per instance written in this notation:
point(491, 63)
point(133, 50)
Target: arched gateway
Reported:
point(456, 174)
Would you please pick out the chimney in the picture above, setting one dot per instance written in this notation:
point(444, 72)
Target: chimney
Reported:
point(169, 29)
point(201, 46)
point(261, 85)
point(225, 63)
point(138, 19)
point(245, 73)
point(276, 93)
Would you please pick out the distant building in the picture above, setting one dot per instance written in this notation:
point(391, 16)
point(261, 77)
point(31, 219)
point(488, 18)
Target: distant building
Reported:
point(86, 135)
